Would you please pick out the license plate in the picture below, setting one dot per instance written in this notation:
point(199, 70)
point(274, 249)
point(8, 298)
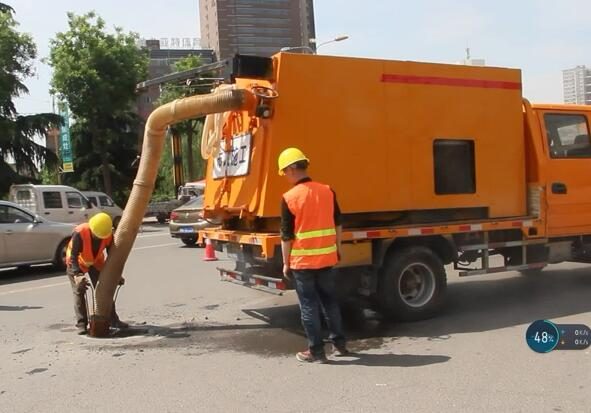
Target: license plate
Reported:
point(235, 162)
point(186, 229)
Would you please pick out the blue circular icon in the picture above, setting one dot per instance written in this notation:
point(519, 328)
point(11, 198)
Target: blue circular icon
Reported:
point(542, 336)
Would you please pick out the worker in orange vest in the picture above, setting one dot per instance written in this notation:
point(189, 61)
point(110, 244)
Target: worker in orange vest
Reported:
point(86, 255)
point(310, 244)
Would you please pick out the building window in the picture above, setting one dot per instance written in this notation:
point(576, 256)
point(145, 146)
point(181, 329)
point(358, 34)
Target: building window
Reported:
point(454, 165)
point(568, 136)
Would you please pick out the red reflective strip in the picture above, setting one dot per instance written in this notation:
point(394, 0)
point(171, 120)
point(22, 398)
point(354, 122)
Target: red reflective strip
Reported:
point(448, 81)
point(373, 234)
point(465, 227)
point(516, 224)
point(280, 285)
point(427, 231)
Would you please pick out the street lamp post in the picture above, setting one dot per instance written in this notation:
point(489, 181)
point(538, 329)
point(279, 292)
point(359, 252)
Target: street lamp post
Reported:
point(309, 49)
point(336, 39)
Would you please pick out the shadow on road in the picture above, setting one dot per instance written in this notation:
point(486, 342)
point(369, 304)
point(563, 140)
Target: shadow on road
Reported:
point(13, 276)
point(389, 360)
point(18, 307)
point(473, 306)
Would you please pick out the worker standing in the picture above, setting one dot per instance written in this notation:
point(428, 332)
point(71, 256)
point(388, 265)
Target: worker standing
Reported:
point(86, 255)
point(310, 244)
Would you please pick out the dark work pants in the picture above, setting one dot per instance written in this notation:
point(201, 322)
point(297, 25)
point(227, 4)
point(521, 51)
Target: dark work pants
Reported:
point(316, 292)
point(80, 298)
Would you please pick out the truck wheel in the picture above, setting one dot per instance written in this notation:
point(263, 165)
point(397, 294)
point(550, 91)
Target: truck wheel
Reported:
point(189, 241)
point(412, 284)
point(161, 218)
point(59, 262)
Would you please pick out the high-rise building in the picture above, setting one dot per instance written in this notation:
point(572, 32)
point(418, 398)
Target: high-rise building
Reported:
point(577, 85)
point(256, 27)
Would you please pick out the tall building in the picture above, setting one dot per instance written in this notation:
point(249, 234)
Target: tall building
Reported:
point(161, 63)
point(577, 85)
point(256, 27)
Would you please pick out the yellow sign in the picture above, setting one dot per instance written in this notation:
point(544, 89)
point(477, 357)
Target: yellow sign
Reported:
point(68, 167)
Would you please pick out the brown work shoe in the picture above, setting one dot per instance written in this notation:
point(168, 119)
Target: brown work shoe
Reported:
point(307, 357)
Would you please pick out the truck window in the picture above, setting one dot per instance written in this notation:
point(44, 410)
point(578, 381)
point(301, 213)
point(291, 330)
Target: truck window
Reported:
point(52, 200)
point(93, 200)
point(23, 195)
point(105, 201)
point(454, 166)
point(74, 200)
point(568, 135)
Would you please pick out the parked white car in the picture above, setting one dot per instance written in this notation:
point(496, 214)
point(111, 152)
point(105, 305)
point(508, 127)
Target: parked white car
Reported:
point(104, 202)
point(27, 239)
point(58, 203)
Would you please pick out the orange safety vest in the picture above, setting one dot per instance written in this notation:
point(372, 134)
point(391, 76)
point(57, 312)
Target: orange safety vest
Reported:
point(315, 245)
point(86, 258)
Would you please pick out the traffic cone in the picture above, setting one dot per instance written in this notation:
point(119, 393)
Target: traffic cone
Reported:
point(209, 251)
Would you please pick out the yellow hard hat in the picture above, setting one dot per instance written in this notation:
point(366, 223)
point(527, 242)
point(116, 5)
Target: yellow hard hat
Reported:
point(101, 225)
point(289, 157)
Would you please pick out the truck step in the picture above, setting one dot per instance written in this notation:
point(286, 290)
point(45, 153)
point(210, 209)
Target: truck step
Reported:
point(503, 269)
point(259, 282)
point(507, 244)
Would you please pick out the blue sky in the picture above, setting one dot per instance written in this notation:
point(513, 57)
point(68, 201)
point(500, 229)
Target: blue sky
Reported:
point(541, 37)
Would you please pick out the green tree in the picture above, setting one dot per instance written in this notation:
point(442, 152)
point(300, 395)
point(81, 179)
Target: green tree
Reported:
point(194, 167)
point(121, 139)
point(17, 132)
point(96, 73)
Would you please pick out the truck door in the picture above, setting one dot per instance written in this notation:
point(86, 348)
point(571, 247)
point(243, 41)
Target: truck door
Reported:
point(78, 207)
point(568, 188)
point(51, 205)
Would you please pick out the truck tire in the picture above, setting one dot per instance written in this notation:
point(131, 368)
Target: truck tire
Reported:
point(59, 262)
point(411, 285)
point(161, 218)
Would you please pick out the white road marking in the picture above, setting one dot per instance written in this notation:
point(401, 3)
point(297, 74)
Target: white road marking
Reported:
point(154, 235)
point(41, 287)
point(155, 246)
point(22, 290)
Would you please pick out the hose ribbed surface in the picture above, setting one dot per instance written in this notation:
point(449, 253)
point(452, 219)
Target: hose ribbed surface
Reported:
point(143, 186)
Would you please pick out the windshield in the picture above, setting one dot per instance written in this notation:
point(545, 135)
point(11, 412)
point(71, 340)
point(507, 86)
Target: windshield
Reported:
point(195, 203)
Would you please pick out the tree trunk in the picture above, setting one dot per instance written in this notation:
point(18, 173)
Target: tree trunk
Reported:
point(106, 174)
point(104, 162)
point(190, 171)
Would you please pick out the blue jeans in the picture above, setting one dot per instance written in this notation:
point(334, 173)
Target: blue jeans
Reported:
point(316, 292)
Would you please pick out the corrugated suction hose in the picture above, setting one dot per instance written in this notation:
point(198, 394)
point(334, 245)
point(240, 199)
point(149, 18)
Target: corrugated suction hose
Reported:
point(143, 186)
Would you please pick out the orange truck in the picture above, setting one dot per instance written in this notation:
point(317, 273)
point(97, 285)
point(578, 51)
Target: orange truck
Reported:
point(432, 164)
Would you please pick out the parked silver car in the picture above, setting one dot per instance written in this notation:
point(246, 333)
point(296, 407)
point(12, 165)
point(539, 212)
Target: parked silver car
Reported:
point(26, 238)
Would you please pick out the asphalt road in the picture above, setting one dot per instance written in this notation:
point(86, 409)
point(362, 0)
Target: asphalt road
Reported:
point(198, 344)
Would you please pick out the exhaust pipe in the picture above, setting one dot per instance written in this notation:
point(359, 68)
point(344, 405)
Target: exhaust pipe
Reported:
point(143, 186)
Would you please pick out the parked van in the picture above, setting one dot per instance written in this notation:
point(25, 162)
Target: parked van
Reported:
point(57, 203)
point(104, 202)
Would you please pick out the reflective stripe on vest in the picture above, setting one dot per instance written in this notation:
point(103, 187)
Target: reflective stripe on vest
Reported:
point(312, 205)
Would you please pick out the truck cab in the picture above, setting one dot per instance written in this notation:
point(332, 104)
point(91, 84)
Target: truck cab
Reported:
point(564, 167)
point(57, 203)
